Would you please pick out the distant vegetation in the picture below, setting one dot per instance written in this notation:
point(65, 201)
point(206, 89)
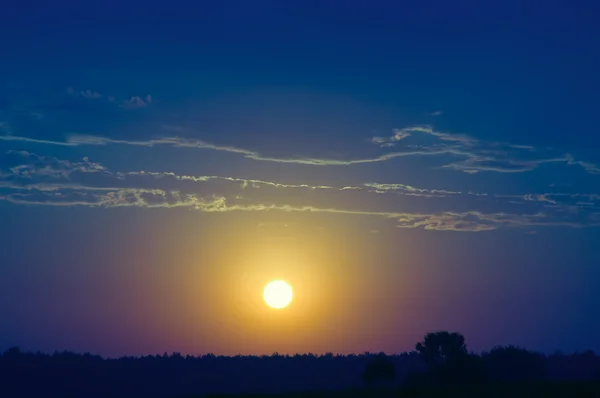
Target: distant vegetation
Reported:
point(441, 365)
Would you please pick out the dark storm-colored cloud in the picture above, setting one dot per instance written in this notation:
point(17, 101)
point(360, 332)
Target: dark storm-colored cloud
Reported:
point(30, 179)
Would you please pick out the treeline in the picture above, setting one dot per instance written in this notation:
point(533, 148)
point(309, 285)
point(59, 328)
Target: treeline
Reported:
point(448, 362)
point(65, 374)
point(441, 358)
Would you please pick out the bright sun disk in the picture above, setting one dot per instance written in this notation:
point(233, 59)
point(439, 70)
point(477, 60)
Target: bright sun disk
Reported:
point(277, 294)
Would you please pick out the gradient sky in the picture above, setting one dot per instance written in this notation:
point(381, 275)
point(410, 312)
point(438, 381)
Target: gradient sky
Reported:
point(406, 166)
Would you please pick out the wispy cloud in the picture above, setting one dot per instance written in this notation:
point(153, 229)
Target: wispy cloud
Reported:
point(137, 102)
point(409, 190)
point(379, 140)
point(474, 155)
point(179, 142)
point(34, 140)
point(470, 221)
point(400, 135)
point(243, 181)
point(31, 165)
point(464, 153)
point(589, 167)
point(89, 94)
point(132, 102)
point(48, 181)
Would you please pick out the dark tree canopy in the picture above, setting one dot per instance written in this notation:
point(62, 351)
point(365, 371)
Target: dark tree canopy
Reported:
point(440, 348)
point(514, 364)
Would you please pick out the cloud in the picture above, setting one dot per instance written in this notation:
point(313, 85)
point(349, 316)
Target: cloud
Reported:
point(409, 190)
point(133, 102)
point(474, 155)
point(19, 185)
point(400, 135)
point(564, 199)
point(148, 198)
point(475, 164)
point(34, 140)
point(137, 102)
point(436, 113)
point(29, 165)
point(90, 94)
point(179, 142)
point(462, 152)
point(558, 199)
point(378, 140)
point(30, 179)
point(589, 167)
point(470, 221)
point(87, 94)
point(244, 183)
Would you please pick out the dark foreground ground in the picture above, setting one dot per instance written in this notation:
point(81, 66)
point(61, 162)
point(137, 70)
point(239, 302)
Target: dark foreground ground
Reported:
point(582, 389)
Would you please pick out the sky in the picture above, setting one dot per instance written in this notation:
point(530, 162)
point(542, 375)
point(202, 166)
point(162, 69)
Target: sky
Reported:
point(406, 166)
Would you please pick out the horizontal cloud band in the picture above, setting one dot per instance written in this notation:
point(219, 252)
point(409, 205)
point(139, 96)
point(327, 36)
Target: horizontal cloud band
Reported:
point(30, 179)
point(473, 155)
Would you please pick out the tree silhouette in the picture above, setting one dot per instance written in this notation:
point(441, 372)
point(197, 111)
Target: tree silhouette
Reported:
point(514, 364)
point(448, 360)
point(441, 348)
point(380, 369)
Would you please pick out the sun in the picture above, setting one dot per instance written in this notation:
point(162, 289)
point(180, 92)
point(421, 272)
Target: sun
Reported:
point(278, 294)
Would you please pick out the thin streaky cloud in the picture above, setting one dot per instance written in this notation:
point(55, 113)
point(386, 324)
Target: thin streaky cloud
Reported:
point(475, 165)
point(34, 140)
point(470, 221)
point(477, 156)
point(409, 189)
point(86, 139)
point(22, 168)
point(563, 209)
point(244, 182)
point(51, 187)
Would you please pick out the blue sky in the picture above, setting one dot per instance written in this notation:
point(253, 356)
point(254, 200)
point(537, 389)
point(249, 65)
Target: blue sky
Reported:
point(422, 155)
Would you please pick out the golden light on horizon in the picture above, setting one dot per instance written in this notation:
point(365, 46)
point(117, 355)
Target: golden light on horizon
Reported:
point(278, 294)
